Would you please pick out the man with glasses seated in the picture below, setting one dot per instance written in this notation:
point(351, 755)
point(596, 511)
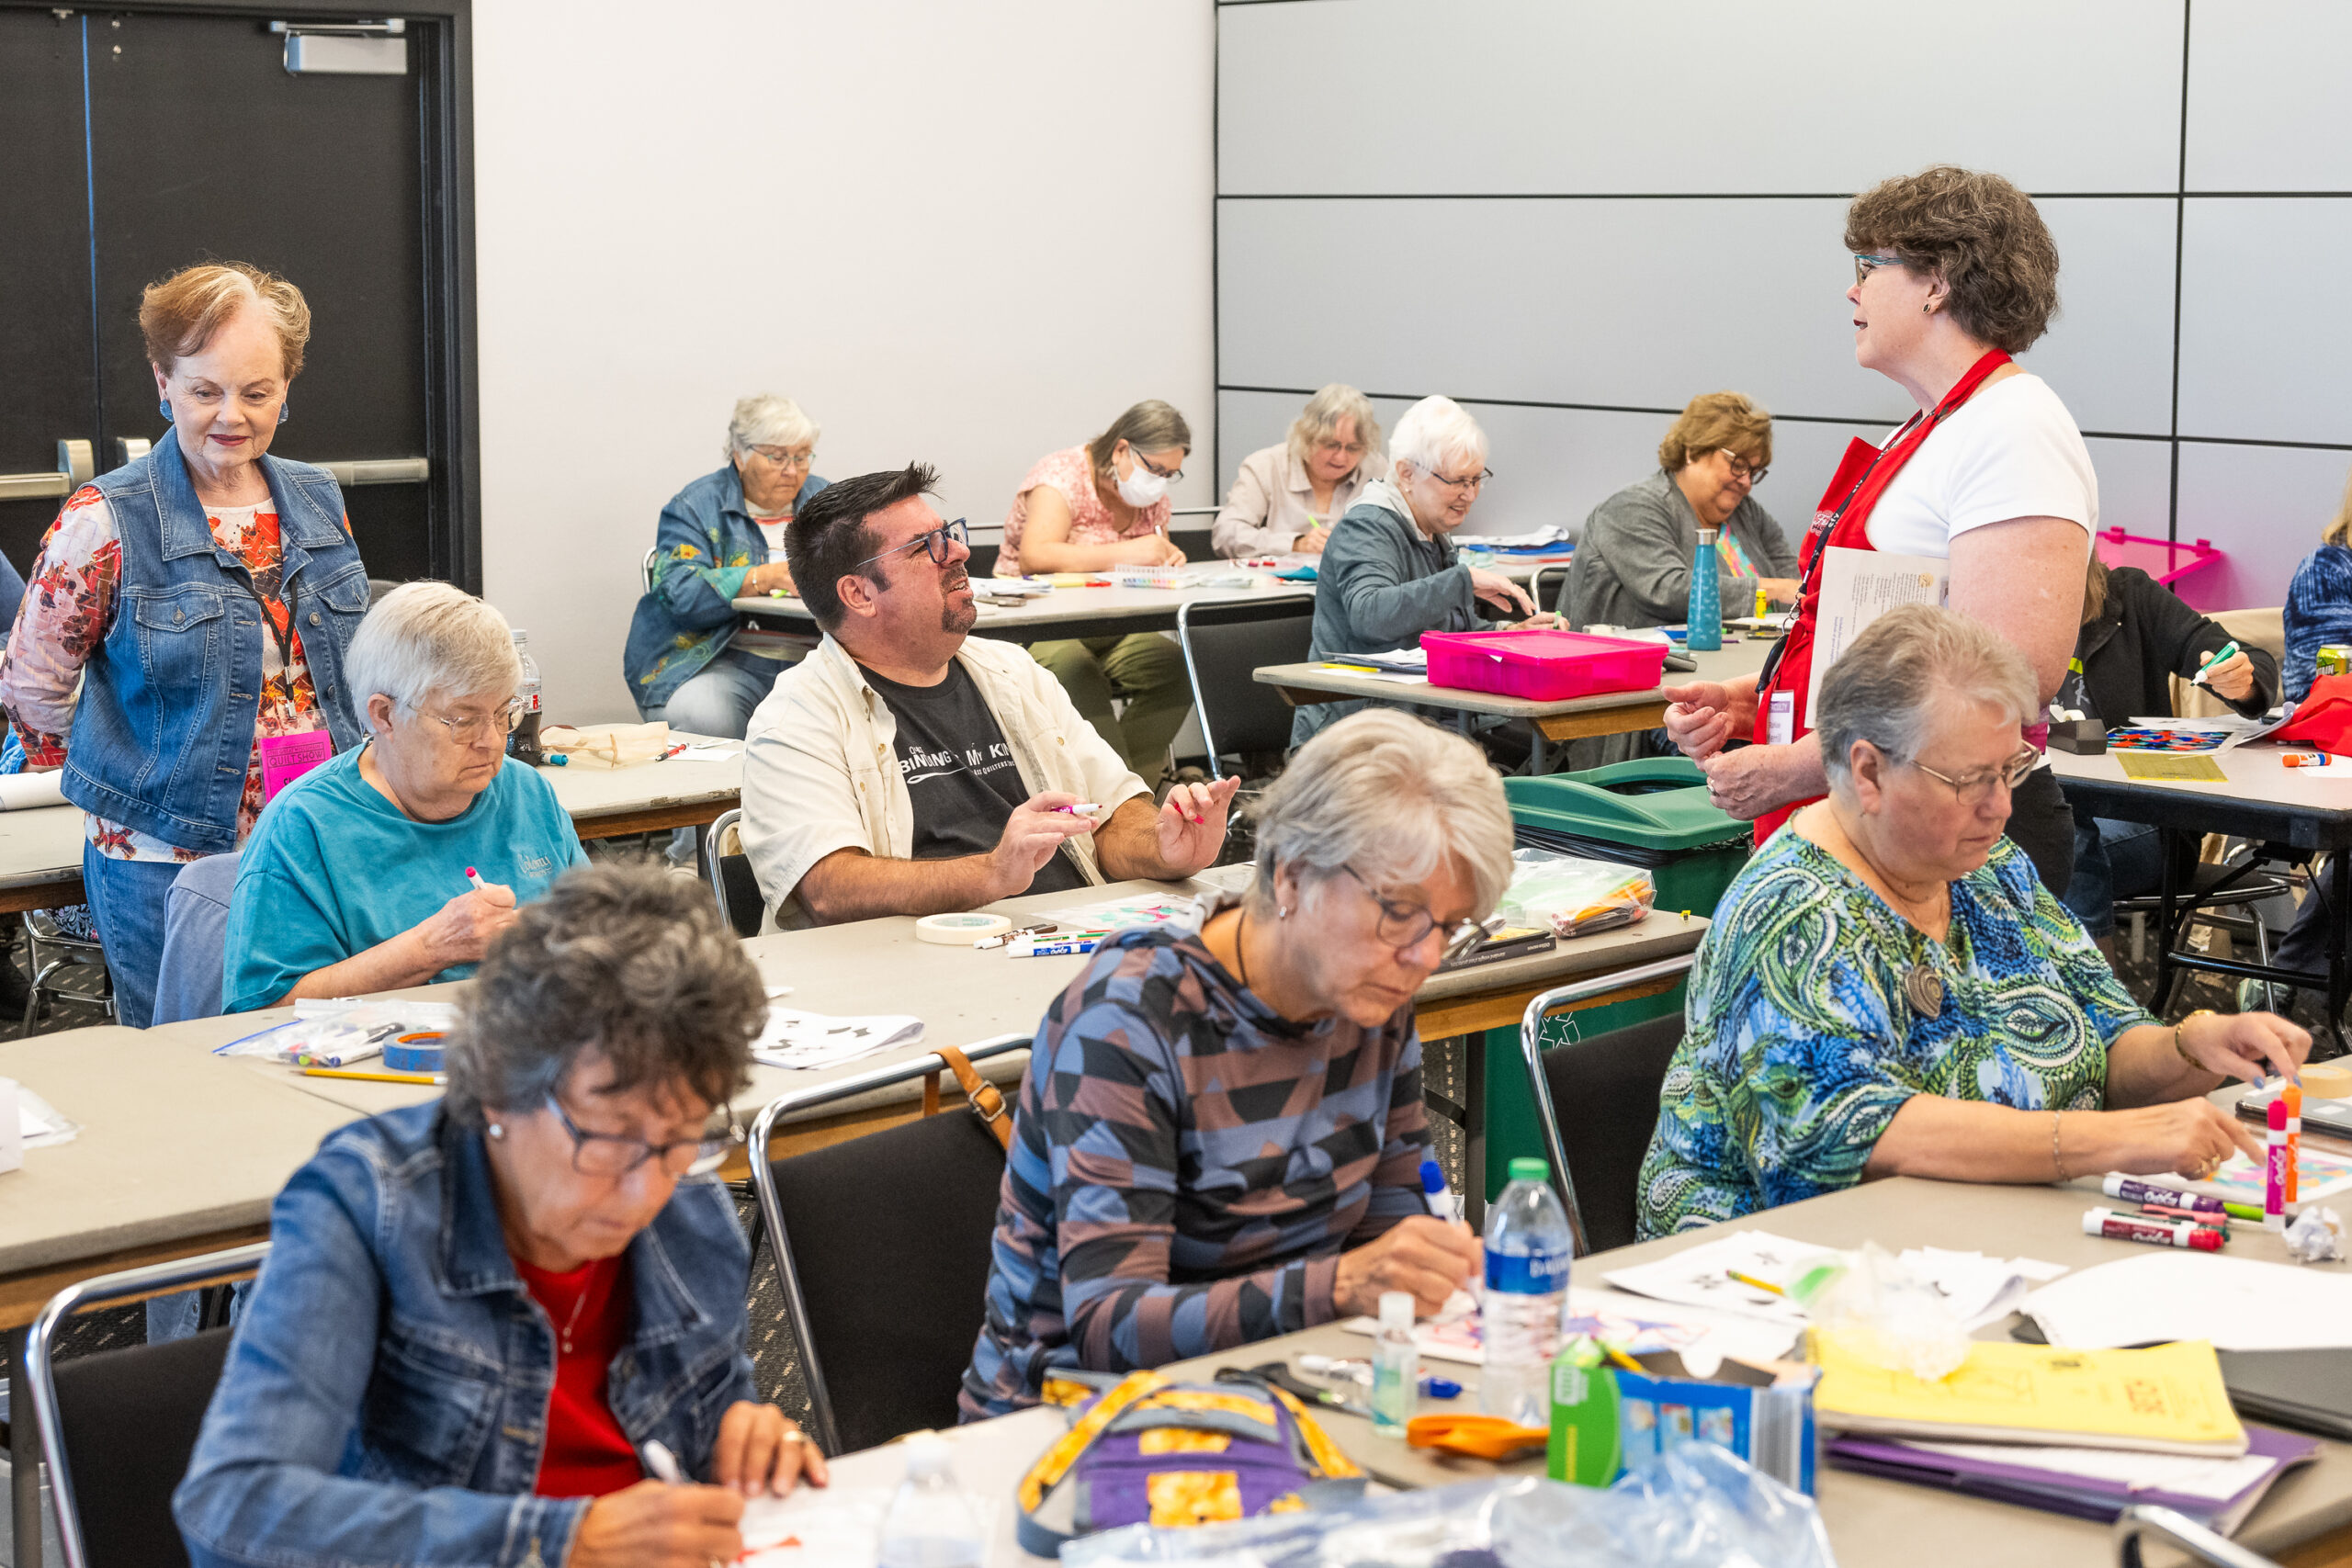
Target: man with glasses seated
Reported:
point(691, 659)
point(399, 862)
point(907, 768)
point(1389, 572)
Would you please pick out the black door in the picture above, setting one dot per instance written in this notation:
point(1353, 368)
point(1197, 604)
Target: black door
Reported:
point(150, 138)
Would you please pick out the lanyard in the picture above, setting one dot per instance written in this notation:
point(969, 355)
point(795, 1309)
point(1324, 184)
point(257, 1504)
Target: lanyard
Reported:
point(285, 638)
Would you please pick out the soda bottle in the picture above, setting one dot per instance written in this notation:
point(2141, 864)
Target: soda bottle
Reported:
point(523, 741)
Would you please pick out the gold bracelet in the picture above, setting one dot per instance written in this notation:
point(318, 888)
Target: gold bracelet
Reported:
point(2182, 1051)
point(2057, 1160)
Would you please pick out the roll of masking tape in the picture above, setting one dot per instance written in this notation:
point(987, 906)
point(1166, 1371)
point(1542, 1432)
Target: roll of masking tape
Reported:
point(2327, 1080)
point(960, 930)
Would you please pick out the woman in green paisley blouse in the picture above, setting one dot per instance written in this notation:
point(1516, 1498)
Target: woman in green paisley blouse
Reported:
point(1889, 990)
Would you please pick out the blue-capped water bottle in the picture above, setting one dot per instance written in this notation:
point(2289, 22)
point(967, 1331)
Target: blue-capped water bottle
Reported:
point(1706, 613)
point(1528, 1249)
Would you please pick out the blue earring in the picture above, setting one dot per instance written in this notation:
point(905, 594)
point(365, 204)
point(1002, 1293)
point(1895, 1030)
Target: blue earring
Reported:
point(164, 406)
point(285, 411)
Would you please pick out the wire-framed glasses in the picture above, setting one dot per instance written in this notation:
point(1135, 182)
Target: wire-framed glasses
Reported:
point(618, 1154)
point(1405, 926)
point(1976, 788)
point(467, 728)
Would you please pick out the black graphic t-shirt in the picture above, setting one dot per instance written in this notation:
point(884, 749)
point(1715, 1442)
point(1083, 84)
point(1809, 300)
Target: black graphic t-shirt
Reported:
point(960, 773)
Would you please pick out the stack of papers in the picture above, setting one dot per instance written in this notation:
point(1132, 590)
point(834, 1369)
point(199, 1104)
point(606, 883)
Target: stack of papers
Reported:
point(2237, 1304)
point(1638, 1327)
point(810, 1041)
point(1980, 1290)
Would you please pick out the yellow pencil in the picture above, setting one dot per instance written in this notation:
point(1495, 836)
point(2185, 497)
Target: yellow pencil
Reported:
point(1752, 1280)
point(428, 1079)
point(1623, 1360)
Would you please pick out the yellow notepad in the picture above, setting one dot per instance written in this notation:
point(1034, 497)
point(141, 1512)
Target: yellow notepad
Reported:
point(2165, 1400)
point(2196, 767)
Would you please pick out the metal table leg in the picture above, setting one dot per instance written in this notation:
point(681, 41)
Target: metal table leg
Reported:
point(2339, 966)
point(2167, 845)
point(1474, 1132)
point(24, 1457)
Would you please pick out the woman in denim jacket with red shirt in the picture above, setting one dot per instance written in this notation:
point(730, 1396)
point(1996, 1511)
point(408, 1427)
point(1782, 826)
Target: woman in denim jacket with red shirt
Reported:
point(480, 1313)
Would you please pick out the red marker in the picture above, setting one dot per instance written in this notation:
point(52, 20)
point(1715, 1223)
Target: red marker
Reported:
point(2154, 1233)
point(2274, 1167)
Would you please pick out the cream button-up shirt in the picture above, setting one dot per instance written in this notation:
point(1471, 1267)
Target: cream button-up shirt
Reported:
point(1273, 502)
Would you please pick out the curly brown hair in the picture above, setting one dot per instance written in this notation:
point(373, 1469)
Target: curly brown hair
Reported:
point(1718, 419)
point(1981, 233)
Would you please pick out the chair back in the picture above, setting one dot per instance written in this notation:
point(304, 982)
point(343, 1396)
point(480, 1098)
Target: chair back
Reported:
point(117, 1427)
point(1224, 644)
point(1596, 1100)
point(728, 871)
point(196, 935)
point(884, 1243)
point(983, 561)
point(645, 572)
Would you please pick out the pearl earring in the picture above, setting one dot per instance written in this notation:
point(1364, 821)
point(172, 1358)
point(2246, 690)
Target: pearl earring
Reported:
point(496, 1131)
point(1282, 912)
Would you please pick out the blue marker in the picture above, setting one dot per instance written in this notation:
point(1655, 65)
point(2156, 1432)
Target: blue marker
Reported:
point(1441, 1203)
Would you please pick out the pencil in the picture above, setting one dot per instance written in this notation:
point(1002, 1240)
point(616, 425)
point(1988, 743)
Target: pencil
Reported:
point(1751, 1281)
point(1623, 1360)
point(428, 1079)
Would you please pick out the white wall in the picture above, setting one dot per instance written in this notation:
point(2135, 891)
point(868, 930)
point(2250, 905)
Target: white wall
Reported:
point(968, 234)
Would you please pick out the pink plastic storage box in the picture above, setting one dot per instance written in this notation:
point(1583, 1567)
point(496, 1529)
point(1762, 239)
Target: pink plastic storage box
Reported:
point(1542, 665)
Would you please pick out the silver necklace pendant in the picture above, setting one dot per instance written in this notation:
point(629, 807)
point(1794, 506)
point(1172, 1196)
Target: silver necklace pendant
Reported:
point(1923, 990)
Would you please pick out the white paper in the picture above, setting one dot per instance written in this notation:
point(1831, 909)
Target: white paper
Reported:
point(830, 1526)
point(808, 1041)
point(1980, 1290)
point(1410, 659)
point(1700, 1276)
point(2236, 1303)
point(1173, 909)
point(1857, 588)
point(27, 792)
point(713, 751)
point(1635, 1324)
point(40, 1123)
point(2191, 1475)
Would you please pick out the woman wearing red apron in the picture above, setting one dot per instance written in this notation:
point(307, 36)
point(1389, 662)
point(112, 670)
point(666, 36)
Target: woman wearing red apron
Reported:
point(1953, 273)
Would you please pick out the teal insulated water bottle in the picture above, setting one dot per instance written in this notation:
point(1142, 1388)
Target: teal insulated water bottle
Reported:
point(1706, 598)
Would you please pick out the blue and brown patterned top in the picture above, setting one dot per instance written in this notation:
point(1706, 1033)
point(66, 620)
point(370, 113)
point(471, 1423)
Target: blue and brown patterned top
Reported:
point(1801, 1045)
point(1187, 1166)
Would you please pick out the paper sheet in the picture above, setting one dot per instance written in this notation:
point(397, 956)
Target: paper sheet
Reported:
point(1117, 914)
point(1857, 588)
point(1700, 1276)
point(2191, 1475)
point(27, 792)
point(2318, 1174)
point(713, 751)
point(2236, 1303)
point(1980, 1290)
point(41, 1121)
point(808, 1041)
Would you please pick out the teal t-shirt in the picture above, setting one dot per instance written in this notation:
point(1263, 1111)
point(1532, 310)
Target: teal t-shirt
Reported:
point(332, 868)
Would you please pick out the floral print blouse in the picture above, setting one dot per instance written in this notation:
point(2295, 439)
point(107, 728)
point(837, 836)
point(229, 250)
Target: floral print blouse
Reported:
point(1071, 472)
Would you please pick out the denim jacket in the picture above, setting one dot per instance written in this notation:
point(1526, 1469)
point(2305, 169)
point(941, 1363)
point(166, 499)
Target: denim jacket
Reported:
point(385, 1396)
point(164, 726)
point(709, 543)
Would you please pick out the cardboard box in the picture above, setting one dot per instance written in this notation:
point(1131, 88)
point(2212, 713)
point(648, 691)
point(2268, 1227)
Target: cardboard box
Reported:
point(1607, 1421)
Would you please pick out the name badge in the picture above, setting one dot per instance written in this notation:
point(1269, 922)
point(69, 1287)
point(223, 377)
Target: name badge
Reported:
point(285, 758)
point(1781, 718)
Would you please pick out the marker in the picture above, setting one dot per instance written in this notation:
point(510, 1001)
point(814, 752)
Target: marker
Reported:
point(663, 1463)
point(1763, 603)
point(2132, 1190)
point(1052, 949)
point(2226, 651)
point(1083, 808)
point(475, 877)
point(1753, 1284)
point(1441, 1201)
point(2274, 1175)
point(2187, 1216)
point(2293, 1098)
point(2154, 1233)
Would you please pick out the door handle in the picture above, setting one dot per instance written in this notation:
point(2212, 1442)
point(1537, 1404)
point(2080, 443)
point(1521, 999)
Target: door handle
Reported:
point(130, 448)
point(75, 468)
point(378, 470)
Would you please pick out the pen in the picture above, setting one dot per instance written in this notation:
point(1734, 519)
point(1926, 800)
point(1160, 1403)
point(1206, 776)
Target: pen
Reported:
point(426, 1079)
point(1751, 1279)
point(1441, 1201)
point(663, 1463)
point(475, 877)
point(2227, 651)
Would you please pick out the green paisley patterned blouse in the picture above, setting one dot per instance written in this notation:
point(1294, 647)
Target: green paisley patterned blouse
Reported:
point(1799, 1047)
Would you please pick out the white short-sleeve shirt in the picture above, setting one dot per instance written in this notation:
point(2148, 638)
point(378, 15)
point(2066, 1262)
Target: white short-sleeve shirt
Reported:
point(2010, 451)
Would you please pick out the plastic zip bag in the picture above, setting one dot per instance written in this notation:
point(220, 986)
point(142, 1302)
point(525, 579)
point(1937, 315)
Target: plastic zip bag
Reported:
point(336, 1032)
point(1574, 896)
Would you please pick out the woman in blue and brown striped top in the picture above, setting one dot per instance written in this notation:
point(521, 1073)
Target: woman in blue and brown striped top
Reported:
point(1220, 1136)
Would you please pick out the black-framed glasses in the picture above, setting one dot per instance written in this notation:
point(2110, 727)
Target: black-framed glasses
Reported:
point(1170, 475)
point(1866, 264)
point(1741, 469)
point(467, 728)
point(1406, 926)
point(1475, 483)
point(1976, 788)
point(935, 544)
point(782, 459)
point(618, 1154)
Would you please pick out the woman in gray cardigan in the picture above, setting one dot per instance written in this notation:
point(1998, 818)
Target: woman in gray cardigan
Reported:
point(1633, 563)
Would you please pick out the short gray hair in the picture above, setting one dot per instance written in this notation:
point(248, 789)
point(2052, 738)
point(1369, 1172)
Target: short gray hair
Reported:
point(425, 639)
point(764, 419)
point(1321, 417)
point(1391, 797)
point(627, 960)
point(1909, 664)
point(1435, 432)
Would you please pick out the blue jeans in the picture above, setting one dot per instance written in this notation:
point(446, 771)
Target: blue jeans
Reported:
point(2113, 860)
point(719, 699)
point(127, 896)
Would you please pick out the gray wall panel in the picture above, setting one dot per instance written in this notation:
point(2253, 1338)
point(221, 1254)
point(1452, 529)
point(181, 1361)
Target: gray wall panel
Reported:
point(2264, 351)
point(2266, 105)
point(1447, 96)
point(2262, 507)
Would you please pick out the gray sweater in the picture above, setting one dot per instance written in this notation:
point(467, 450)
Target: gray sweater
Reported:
point(1633, 564)
point(1381, 583)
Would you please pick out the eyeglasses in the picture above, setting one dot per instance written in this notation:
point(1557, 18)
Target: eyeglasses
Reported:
point(1740, 468)
point(784, 460)
point(1976, 788)
point(1170, 475)
point(1406, 926)
point(1333, 449)
point(472, 727)
point(618, 1154)
point(1475, 483)
point(1866, 265)
point(934, 543)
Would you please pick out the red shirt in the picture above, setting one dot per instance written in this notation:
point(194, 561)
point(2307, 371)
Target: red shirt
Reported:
point(586, 1453)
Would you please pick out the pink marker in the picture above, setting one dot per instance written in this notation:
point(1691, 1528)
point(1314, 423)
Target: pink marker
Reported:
point(2274, 1182)
point(475, 877)
point(1083, 808)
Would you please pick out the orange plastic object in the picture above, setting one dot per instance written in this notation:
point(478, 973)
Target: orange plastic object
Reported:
point(1480, 1437)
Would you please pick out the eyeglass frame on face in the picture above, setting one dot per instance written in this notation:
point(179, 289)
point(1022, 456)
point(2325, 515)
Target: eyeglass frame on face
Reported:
point(1476, 481)
point(1333, 445)
point(1170, 475)
point(1865, 263)
point(1742, 470)
point(2012, 773)
point(790, 459)
point(463, 730)
point(711, 1153)
point(959, 530)
point(1461, 939)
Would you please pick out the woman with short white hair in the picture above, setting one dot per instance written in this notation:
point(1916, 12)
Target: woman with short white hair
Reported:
point(397, 862)
point(691, 659)
point(1286, 498)
point(1390, 571)
point(1223, 1136)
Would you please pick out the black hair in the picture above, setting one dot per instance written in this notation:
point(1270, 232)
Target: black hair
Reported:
point(827, 538)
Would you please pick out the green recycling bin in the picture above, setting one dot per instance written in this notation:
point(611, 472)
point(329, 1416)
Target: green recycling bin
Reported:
point(1653, 813)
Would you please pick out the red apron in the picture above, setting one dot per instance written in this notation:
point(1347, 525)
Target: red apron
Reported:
point(1862, 477)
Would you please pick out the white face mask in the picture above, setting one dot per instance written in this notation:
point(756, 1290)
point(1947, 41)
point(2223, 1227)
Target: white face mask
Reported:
point(1141, 487)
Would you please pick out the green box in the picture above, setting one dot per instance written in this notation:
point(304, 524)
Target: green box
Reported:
point(1605, 1422)
point(1585, 1447)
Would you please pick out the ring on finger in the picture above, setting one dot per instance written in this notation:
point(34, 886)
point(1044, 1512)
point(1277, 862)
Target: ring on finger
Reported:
point(795, 1435)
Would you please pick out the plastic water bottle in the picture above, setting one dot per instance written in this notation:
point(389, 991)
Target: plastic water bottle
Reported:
point(1527, 1247)
point(1706, 613)
point(931, 1523)
point(1396, 1366)
point(523, 741)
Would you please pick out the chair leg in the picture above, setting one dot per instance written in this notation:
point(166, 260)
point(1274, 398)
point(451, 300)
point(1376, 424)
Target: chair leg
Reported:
point(2138, 937)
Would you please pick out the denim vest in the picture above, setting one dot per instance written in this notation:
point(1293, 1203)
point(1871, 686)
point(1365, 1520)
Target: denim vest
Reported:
point(385, 1396)
point(686, 621)
point(164, 727)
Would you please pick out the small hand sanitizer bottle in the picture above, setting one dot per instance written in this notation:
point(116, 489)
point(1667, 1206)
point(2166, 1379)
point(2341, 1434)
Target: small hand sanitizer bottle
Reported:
point(1396, 1366)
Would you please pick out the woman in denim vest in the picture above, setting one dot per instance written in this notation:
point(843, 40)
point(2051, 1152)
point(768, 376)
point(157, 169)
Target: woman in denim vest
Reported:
point(479, 1314)
point(200, 599)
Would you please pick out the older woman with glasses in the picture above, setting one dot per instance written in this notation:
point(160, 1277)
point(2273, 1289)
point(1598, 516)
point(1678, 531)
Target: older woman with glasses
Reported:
point(488, 1321)
point(1286, 498)
point(1223, 1138)
point(691, 659)
point(1888, 989)
point(400, 861)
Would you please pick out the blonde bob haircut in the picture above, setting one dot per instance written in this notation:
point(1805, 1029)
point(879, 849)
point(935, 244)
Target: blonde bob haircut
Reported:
point(429, 639)
point(1718, 422)
point(1320, 419)
point(1390, 798)
point(2339, 531)
point(179, 314)
point(1149, 426)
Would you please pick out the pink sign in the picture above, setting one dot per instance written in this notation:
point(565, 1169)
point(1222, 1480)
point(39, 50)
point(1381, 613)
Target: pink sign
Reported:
point(285, 758)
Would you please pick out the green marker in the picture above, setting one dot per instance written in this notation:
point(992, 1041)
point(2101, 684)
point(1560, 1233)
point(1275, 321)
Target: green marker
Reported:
point(2228, 650)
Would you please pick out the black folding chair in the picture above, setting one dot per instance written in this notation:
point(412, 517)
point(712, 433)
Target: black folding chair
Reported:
point(1597, 1101)
point(728, 871)
point(883, 1245)
point(124, 1422)
point(1226, 643)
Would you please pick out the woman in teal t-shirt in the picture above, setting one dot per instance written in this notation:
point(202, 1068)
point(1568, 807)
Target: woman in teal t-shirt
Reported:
point(356, 877)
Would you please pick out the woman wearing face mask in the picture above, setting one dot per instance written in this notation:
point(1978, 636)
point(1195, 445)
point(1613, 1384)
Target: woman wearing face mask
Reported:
point(1089, 509)
point(1286, 498)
